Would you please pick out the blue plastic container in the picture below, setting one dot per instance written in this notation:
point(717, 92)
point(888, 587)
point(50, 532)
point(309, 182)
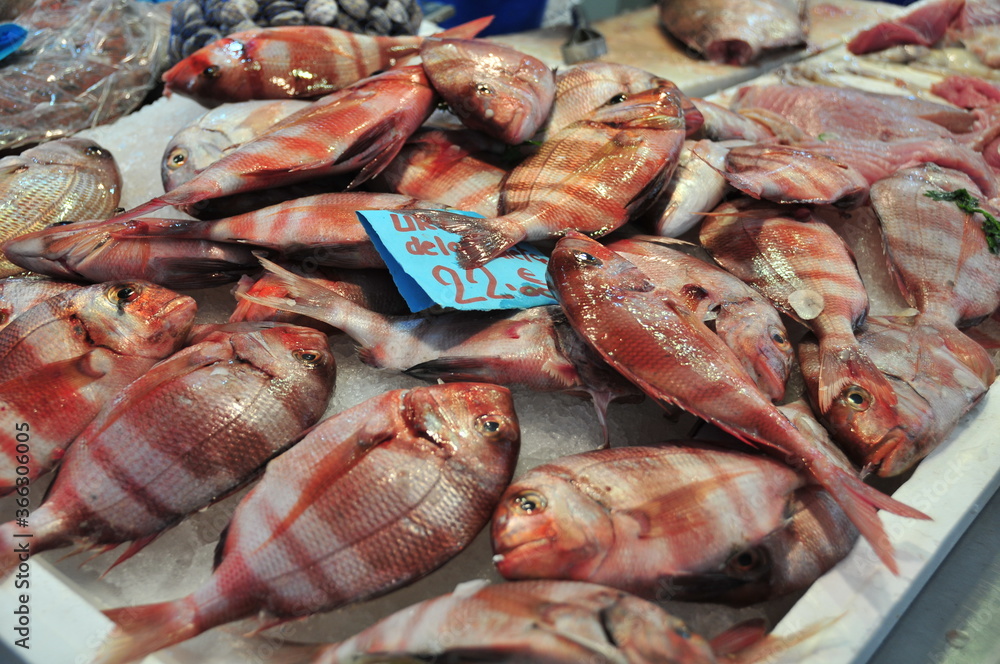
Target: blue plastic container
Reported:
point(508, 15)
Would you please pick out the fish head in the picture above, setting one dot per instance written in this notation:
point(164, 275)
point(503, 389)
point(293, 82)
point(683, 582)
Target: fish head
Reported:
point(544, 527)
point(578, 261)
point(58, 249)
point(659, 107)
point(189, 151)
point(214, 73)
point(298, 355)
point(644, 632)
point(759, 338)
point(584, 88)
point(79, 154)
point(474, 420)
point(491, 87)
point(135, 318)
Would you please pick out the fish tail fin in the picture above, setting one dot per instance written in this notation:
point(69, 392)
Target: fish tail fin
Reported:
point(140, 210)
point(147, 628)
point(482, 239)
point(466, 30)
point(764, 648)
point(846, 364)
point(860, 503)
point(18, 542)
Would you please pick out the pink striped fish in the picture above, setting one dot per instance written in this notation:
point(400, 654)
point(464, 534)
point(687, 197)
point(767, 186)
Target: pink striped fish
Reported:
point(491, 87)
point(291, 61)
point(807, 271)
point(18, 294)
point(301, 541)
point(448, 167)
point(669, 353)
point(190, 430)
point(590, 177)
point(358, 129)
point(136, 319)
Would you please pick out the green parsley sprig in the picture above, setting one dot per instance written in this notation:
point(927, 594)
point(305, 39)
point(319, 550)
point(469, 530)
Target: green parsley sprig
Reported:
point(969, 203)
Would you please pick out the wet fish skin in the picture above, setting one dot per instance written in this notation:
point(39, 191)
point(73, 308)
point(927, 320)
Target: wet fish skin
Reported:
point(558, 622)
point(289, 62)
point(300, 542)
point(100, 251)
point(191, 429)
point(735, 33)
point(808, 272)
point(217, 133)
point(130, 318)
point(668, 352)
point(742, 318)
point(530, 347)
point(68, 179)
point(491, 87)
point(358, 129)
point(636, 518)
point(446, 167)
point(937, 252)
point(591, 177)
point(938, 374)
point(18, 294)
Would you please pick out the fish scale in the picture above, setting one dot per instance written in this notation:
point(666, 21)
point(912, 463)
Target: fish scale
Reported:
point(232, 402)
point(17, 295)
point(300, 541)
point(807, 271)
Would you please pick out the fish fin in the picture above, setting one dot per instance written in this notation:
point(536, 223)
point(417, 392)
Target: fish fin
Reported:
point(482, 239)
point(153, 228)
point(149, 206)
point(601, 401)
point(147, 628)
point(446, 368)
point(843, 366)
point(739, 637)
point(466, 30)
point(134, 547)
point(764, 649)
point(191, 273)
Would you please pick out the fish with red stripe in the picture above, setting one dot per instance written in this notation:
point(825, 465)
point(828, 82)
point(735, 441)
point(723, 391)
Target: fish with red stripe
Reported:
point(291, 61)
point(669, 353)
point(192, 429)
point(430, 462)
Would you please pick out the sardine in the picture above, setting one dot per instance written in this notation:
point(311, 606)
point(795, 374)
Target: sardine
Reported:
point(556, 622)
point(107, 251)
point(808, 272)
point(356, 130)
point(290, 61)
point(937, 373)
point(530, 347)
point(432, 462)
point(18, 294)
point(446, 167)
point(132, 319)
point(217, 133)
point(191, 429)
point(591, 177)
point(742, 318)
point(735, 33)
point(491, 87)
point(674, 358)
point(63, 180)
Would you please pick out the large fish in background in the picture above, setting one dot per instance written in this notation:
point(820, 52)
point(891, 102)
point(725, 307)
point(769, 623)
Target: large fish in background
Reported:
point(735, 32)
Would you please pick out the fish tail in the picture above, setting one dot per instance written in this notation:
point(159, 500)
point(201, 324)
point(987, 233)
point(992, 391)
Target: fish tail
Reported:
point(147, 628)
point(18, 543)
point(482, 239)
point(765, 649)
point(860, 502)
point(842, 365)
point(466, 30)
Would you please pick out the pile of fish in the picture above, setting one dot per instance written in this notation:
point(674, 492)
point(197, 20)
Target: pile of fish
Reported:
point(161, 417)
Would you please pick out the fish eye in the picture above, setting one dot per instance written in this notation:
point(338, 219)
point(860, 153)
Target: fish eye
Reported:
point(96, 151)
point(489, 425)
point(61, 223)
point(747, 560)
point(120, 294)
point(682, 632)
point(857, 398)
point(779, 338)
point(617, 99)
point(211, 71)
point(310, 358)
point(583, 258)
point(484, 89)
point(177, 158)
point(529, 502)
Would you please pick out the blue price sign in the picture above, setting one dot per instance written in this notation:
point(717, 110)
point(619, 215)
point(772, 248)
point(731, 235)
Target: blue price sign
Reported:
point(422, 260)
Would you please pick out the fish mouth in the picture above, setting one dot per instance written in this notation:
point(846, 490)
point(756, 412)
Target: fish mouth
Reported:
point(508, 556)
point(892, 455)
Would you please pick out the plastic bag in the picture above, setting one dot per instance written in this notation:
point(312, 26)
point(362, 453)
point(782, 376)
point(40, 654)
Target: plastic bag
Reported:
point(84, 63)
